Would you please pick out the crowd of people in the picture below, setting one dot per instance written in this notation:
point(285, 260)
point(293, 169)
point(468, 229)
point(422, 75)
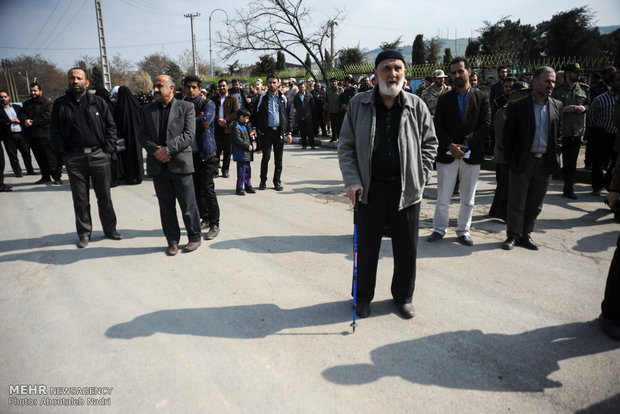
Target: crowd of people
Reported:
point(390, 139)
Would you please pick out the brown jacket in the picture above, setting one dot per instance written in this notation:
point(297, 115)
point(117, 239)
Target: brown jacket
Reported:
point(230, 111)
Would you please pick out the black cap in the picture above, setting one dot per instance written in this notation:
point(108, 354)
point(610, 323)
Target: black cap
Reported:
point(388, 54)
point(572, 67)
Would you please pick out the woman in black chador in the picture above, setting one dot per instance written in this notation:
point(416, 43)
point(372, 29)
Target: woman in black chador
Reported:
point(127, 119)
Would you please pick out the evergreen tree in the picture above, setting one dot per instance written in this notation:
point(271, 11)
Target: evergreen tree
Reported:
point(280, 61)
point(447, 57)
point(418, 51)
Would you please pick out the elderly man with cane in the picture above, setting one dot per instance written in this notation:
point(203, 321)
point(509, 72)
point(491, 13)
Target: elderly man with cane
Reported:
point(386, 151)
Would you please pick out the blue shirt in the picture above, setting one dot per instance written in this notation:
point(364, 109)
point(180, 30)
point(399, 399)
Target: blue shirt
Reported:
point(273, 111)
point(462, 100)
point(10, 112)
point(541, 131)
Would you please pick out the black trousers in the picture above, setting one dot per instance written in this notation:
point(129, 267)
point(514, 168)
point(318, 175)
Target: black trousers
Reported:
point(81, 169)
point(526, 193)
point(611, 303)
point(206, 198)
point(14, 143)
point(336, 121)
point(272, 138)
point(305, 132)
point(224, 147)
point(318, 121)
point(45, 154)
point(499, 207)
point(381, 211)
point(170, 187)
point(602, 157)
point(2, 165)
point(570, 153)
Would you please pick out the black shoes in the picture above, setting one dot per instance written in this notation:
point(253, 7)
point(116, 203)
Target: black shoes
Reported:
point(204, 225)
point(466, 240)
point(405, 310)
point(278, 186)
point(115, 235)
point(83, 242)
point(225, 174)
point(528, 243)
point(250, 190)
point(434, 237)
point(610, 327)
point(569, 193)
point(240, 192)
point(44, 181)
point(362, 310)
point(509, 244)
point(57, 182)
point(212, 233)
point(262, 185)
point(5, 188)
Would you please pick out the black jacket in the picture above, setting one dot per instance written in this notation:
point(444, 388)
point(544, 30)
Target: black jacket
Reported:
point(473, 127)
point(305, 109)
point(38, 109)
point(518, 134)
point(98, 117)
point(261, 117)
point(5, 122)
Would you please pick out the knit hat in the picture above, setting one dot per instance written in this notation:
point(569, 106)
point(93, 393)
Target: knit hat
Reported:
point(388, 54)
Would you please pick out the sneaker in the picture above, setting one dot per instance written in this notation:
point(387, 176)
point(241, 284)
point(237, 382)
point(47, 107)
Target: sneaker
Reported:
point(212, 233)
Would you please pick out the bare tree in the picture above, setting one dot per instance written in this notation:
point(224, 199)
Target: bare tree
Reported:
point(141, 82)
point(277, 25)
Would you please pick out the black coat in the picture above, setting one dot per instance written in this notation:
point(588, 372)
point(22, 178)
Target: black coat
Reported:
point(303, 110)
point(98, 117)
point(40, 111)
point(518, 134)
point(473, 127)
point(261, 117)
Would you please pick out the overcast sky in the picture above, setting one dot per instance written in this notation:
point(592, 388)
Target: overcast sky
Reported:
point(63, 30)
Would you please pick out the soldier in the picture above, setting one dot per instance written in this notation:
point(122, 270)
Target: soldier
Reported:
point(575, 98)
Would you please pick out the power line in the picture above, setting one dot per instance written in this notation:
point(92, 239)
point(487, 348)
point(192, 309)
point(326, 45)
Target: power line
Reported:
point(49, 19)
point(57, 24)
point(67, 25)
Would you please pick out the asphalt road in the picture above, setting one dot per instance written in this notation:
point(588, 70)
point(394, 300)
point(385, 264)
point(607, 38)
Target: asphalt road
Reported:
point(257, 320)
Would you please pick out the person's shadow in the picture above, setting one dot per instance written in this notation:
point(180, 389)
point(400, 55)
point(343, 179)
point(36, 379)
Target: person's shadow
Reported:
point(474, 360)
point(243, 321)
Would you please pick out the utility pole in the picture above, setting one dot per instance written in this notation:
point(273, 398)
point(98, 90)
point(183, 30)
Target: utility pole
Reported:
point(191, 19)
point(332, 36)
point(10, 80)
point(103, 50)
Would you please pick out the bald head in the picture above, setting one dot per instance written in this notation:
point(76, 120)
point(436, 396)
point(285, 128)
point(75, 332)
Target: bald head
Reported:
point(163, 89)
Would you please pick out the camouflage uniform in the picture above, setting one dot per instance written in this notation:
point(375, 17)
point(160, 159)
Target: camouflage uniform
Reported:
point(430, 95)
point(573, 129)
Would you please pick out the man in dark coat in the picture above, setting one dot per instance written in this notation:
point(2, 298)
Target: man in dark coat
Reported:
point(304, 108)
point(35, 118)
point(84, 135)
point(532, 146)
point(11, 132)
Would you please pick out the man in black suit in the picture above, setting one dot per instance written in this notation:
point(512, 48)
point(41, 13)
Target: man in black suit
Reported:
point(168, 127)
point(462, 121)
point(304, 108)
point(532, 146)
point(84, 136)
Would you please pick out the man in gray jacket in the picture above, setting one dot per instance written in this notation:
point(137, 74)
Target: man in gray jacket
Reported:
point(168, 128)
point(386, 152)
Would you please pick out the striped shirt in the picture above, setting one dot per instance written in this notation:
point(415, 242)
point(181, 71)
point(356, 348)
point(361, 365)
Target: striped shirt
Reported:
point(602, 112)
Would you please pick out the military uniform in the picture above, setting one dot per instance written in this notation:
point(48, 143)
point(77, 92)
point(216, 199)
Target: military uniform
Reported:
point(573, 129)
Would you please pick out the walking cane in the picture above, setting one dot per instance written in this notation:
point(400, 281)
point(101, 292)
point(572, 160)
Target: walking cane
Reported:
point(355, 219)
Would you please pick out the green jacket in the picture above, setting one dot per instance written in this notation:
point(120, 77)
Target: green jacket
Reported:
point(417, 145)
point(573, 123)
point(331, 99)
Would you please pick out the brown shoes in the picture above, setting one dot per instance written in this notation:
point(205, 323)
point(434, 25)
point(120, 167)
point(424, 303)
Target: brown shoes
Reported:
point(172, 250)
point(191, 246)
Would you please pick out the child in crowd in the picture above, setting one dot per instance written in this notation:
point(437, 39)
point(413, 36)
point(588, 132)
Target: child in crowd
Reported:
point(244, 145)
